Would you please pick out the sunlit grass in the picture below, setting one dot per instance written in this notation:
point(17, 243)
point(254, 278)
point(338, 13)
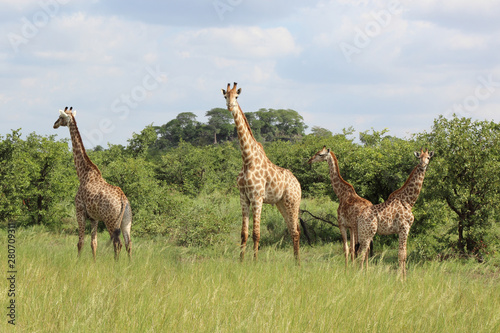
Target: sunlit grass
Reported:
point(173, 289)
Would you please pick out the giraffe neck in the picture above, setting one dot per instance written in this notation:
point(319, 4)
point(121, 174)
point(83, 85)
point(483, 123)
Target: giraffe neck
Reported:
point(341, 188)
point(83, 164)
point(410, 191)
point(249, 147)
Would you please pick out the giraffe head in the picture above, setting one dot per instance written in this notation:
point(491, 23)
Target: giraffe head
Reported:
point(424, 157)
point(65, 117)
point(320, 156)
point(231, 95)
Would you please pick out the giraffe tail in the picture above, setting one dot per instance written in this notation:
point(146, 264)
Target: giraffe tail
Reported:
point(119, 223)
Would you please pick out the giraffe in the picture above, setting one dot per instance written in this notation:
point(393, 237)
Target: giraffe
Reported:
point(260, 181)
point(394, 216)
point(350, 203)
point(96, 199)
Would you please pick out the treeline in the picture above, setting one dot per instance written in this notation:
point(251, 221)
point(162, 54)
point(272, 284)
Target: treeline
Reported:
point(267, 125)
point(182, 186)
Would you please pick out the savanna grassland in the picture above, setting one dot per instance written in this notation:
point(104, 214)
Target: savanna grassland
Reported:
point(167, 288)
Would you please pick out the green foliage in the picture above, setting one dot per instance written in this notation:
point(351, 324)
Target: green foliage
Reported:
point(183, 187)
point(139, 144)
point(37, 176)
point(194, 170)
point(465, 174)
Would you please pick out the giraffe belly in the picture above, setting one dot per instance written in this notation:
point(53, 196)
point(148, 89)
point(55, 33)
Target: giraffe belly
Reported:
point(102, 207)
point(388, 225)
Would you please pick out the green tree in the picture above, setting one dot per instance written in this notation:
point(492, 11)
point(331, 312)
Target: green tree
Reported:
point(321, 132)
point(139, 144)
point(37, 180)
point(220, 122)
point(13, 181)
point(466, 175)
point(184, 127)
point(279, 124)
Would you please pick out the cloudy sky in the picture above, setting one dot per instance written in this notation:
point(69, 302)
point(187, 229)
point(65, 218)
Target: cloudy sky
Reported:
point(126, 64)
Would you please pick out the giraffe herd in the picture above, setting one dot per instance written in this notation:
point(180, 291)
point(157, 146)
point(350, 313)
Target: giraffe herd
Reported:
point(259, 181)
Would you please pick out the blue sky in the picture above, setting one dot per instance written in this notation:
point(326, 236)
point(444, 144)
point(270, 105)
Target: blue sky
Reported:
point(126, 64)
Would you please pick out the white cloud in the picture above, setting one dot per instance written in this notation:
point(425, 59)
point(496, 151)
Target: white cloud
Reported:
point(241, 42)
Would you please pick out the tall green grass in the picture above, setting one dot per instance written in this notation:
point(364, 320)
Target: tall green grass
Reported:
point(173, 289)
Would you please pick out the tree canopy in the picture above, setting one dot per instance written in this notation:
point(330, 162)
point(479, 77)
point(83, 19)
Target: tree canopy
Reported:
point(164, 167)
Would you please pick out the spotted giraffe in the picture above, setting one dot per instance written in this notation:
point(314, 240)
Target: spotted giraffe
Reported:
point(394, 216)
point(260, 181)
point(96, 199)
point(350, 203)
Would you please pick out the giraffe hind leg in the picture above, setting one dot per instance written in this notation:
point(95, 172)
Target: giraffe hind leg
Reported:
point(117, 244)
point(93, 242)
point(291, 216)
point(126, 224)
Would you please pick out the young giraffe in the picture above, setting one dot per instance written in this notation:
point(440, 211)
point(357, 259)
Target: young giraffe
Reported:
point(96, 199)
point(350, 203)
point(260, 181)
point(394, 216)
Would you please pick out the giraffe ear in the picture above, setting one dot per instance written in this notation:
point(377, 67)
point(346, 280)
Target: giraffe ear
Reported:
point(417, 154)
point(431, 153)
point(238, 91)
point(223, 92)
point(74, 113)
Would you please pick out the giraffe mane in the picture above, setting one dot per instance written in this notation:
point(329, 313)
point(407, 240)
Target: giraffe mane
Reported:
point(393, 194)
point(336, 162)
point(85, 156)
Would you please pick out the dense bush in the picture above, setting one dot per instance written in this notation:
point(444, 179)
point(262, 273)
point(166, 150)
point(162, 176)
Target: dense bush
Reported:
point(187, 192)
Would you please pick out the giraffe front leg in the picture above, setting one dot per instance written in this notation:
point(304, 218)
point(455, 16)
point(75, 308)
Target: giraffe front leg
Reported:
point(80, 218)
point(245, 212)
point(403, 236)
point(93, 241)
point(256, 210)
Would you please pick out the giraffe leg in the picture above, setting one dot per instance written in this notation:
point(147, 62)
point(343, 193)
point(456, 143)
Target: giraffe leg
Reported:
point(291, 216)
point(245, 212)
point(364, 245)
point(125, 227)
point(80, 218)
point(403, 236)
point(93, 242)
point(352, 244)
point(256, 211)
point(117, 244)
point(343, 232)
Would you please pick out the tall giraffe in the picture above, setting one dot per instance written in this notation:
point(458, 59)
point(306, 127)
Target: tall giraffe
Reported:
point(260, 181)
point(394, 216)
point(350, 203)
point(96, 199)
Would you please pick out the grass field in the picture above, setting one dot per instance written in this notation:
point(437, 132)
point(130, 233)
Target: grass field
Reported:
point(172, 289)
